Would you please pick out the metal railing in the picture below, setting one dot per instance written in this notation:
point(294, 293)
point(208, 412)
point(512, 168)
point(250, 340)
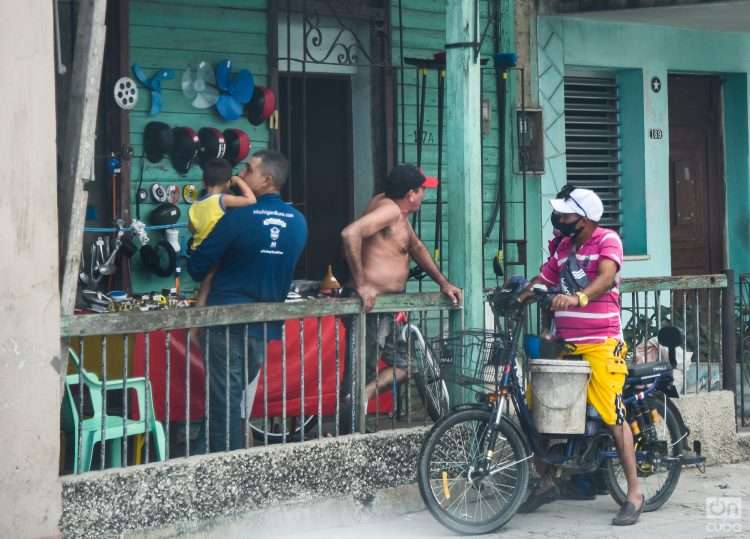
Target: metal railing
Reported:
point(703, 307)
point(202, 394)
point(700, 305)
point(743, 352)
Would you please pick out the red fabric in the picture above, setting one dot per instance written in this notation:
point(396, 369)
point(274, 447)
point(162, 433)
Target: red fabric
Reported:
point(157, 370)
point(158, 373)
point(294, 369)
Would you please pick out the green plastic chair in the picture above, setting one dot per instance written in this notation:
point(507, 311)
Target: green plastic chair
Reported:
point(91, 427)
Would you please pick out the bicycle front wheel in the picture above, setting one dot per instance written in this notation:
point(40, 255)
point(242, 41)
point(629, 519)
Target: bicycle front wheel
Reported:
point(429, 381)
point(461, 488)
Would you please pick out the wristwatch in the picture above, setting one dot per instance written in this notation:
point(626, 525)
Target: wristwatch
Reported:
point(583, 299)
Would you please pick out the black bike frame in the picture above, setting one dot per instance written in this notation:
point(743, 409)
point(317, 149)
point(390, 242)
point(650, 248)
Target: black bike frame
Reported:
point(508, 386)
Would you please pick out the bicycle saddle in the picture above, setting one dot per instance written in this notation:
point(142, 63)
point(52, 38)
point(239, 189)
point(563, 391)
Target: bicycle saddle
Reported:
point(649, 370)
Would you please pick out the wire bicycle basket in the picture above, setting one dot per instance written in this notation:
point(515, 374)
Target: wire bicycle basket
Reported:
point(472, 359)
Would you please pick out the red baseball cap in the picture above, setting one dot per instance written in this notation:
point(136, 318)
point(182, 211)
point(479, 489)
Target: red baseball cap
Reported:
point(404, 178)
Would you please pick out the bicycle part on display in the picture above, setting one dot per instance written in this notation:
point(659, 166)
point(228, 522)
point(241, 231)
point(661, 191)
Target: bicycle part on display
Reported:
point(126, 93)
point(165, 213)
point(160, 260)
point(185, 148)
point(158, 193)
point(238, 145)
point(212, 144)
point(173, 194)
point(189, 193)
point(158, 141)
point(261, 106)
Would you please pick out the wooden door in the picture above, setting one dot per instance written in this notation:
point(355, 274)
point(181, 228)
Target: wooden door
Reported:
point(696, 181)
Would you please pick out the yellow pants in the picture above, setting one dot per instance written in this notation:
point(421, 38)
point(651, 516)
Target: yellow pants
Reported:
point(608, 372)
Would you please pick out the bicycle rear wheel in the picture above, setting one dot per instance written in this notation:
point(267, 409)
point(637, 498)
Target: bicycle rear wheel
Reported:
point(274, 428)
point(428, 379)
point(455, 490)
point(657, 477)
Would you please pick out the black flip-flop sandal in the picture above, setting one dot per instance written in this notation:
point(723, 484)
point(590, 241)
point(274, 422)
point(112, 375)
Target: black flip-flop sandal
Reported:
point(628, 514)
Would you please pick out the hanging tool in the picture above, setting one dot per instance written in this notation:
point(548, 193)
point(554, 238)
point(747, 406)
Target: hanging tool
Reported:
point(439, 194)
point(416, 218)
point(503, 62)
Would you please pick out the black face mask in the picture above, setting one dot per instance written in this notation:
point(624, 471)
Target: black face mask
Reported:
point(569, 229)
point(555, 220)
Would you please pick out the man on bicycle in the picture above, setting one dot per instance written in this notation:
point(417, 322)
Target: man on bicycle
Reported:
point(585, 267)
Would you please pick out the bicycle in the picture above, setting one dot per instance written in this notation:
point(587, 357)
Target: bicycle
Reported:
point(428, 379)
point(473, 468)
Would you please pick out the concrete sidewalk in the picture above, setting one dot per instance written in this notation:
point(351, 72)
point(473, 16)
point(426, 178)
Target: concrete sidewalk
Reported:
point(685, 515)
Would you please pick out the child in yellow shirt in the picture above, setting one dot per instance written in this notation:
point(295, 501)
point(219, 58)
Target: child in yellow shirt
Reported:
point(205, 212)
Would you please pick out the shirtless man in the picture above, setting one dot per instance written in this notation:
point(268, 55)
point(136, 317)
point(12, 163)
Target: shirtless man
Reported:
point(377, 247)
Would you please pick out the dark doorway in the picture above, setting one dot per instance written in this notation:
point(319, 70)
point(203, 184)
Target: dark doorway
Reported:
point(316, 135)
point(696, 177)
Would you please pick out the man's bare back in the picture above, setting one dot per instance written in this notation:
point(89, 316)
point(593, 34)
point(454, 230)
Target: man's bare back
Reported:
point(385, 255)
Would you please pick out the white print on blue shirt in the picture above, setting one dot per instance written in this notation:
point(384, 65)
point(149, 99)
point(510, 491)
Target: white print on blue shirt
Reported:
point(288, 215)
point(274, 233)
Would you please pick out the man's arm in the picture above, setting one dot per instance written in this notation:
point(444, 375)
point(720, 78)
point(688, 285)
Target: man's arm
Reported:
point(352, 236)
point(605, 278)
point(421, 256)
point(212, 249)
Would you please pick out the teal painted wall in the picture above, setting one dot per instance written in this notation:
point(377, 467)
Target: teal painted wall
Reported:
point(175, 34)
point(178, 33)
point(423, 29)
point(652, 51)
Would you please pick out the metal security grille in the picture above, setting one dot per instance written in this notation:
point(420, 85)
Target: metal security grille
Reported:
point(592, 141)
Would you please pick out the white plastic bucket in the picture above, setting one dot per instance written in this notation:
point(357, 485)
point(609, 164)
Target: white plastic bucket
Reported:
point(558, 395)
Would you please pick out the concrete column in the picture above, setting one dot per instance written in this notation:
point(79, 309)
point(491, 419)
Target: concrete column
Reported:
point(464, 179)
point(30, 496)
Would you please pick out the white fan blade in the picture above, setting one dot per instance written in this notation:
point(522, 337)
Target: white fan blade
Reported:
point(187, 84)
point(205, 73)
point(206, 98)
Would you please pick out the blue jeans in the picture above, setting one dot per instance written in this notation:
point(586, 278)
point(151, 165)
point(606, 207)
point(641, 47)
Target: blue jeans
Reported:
point(226, 382)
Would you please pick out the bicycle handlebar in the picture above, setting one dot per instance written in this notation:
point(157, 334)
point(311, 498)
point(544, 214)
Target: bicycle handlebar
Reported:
point(507, 299)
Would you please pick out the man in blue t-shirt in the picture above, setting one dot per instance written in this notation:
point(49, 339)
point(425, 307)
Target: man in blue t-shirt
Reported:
point(256, 248)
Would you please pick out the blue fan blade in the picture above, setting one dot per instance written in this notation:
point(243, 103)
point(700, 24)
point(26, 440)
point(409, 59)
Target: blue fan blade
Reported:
point(165, 74)
point(140, 75)
point(223, 71)
point(155, 103)
point(242, 86)
point(228, 108)
point(162, 74)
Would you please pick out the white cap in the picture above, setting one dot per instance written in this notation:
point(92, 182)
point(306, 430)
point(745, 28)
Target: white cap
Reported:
point(584, 202)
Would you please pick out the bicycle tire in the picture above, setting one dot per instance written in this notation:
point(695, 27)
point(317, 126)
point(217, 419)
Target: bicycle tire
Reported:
point(430, 384)
point(275, 434)
point(655, 497)
point(439, 472)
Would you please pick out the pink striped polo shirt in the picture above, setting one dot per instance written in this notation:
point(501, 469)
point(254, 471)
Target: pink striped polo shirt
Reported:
point(600, 319)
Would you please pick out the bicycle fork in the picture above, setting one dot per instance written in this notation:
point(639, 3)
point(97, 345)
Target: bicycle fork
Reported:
point(483, 466)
